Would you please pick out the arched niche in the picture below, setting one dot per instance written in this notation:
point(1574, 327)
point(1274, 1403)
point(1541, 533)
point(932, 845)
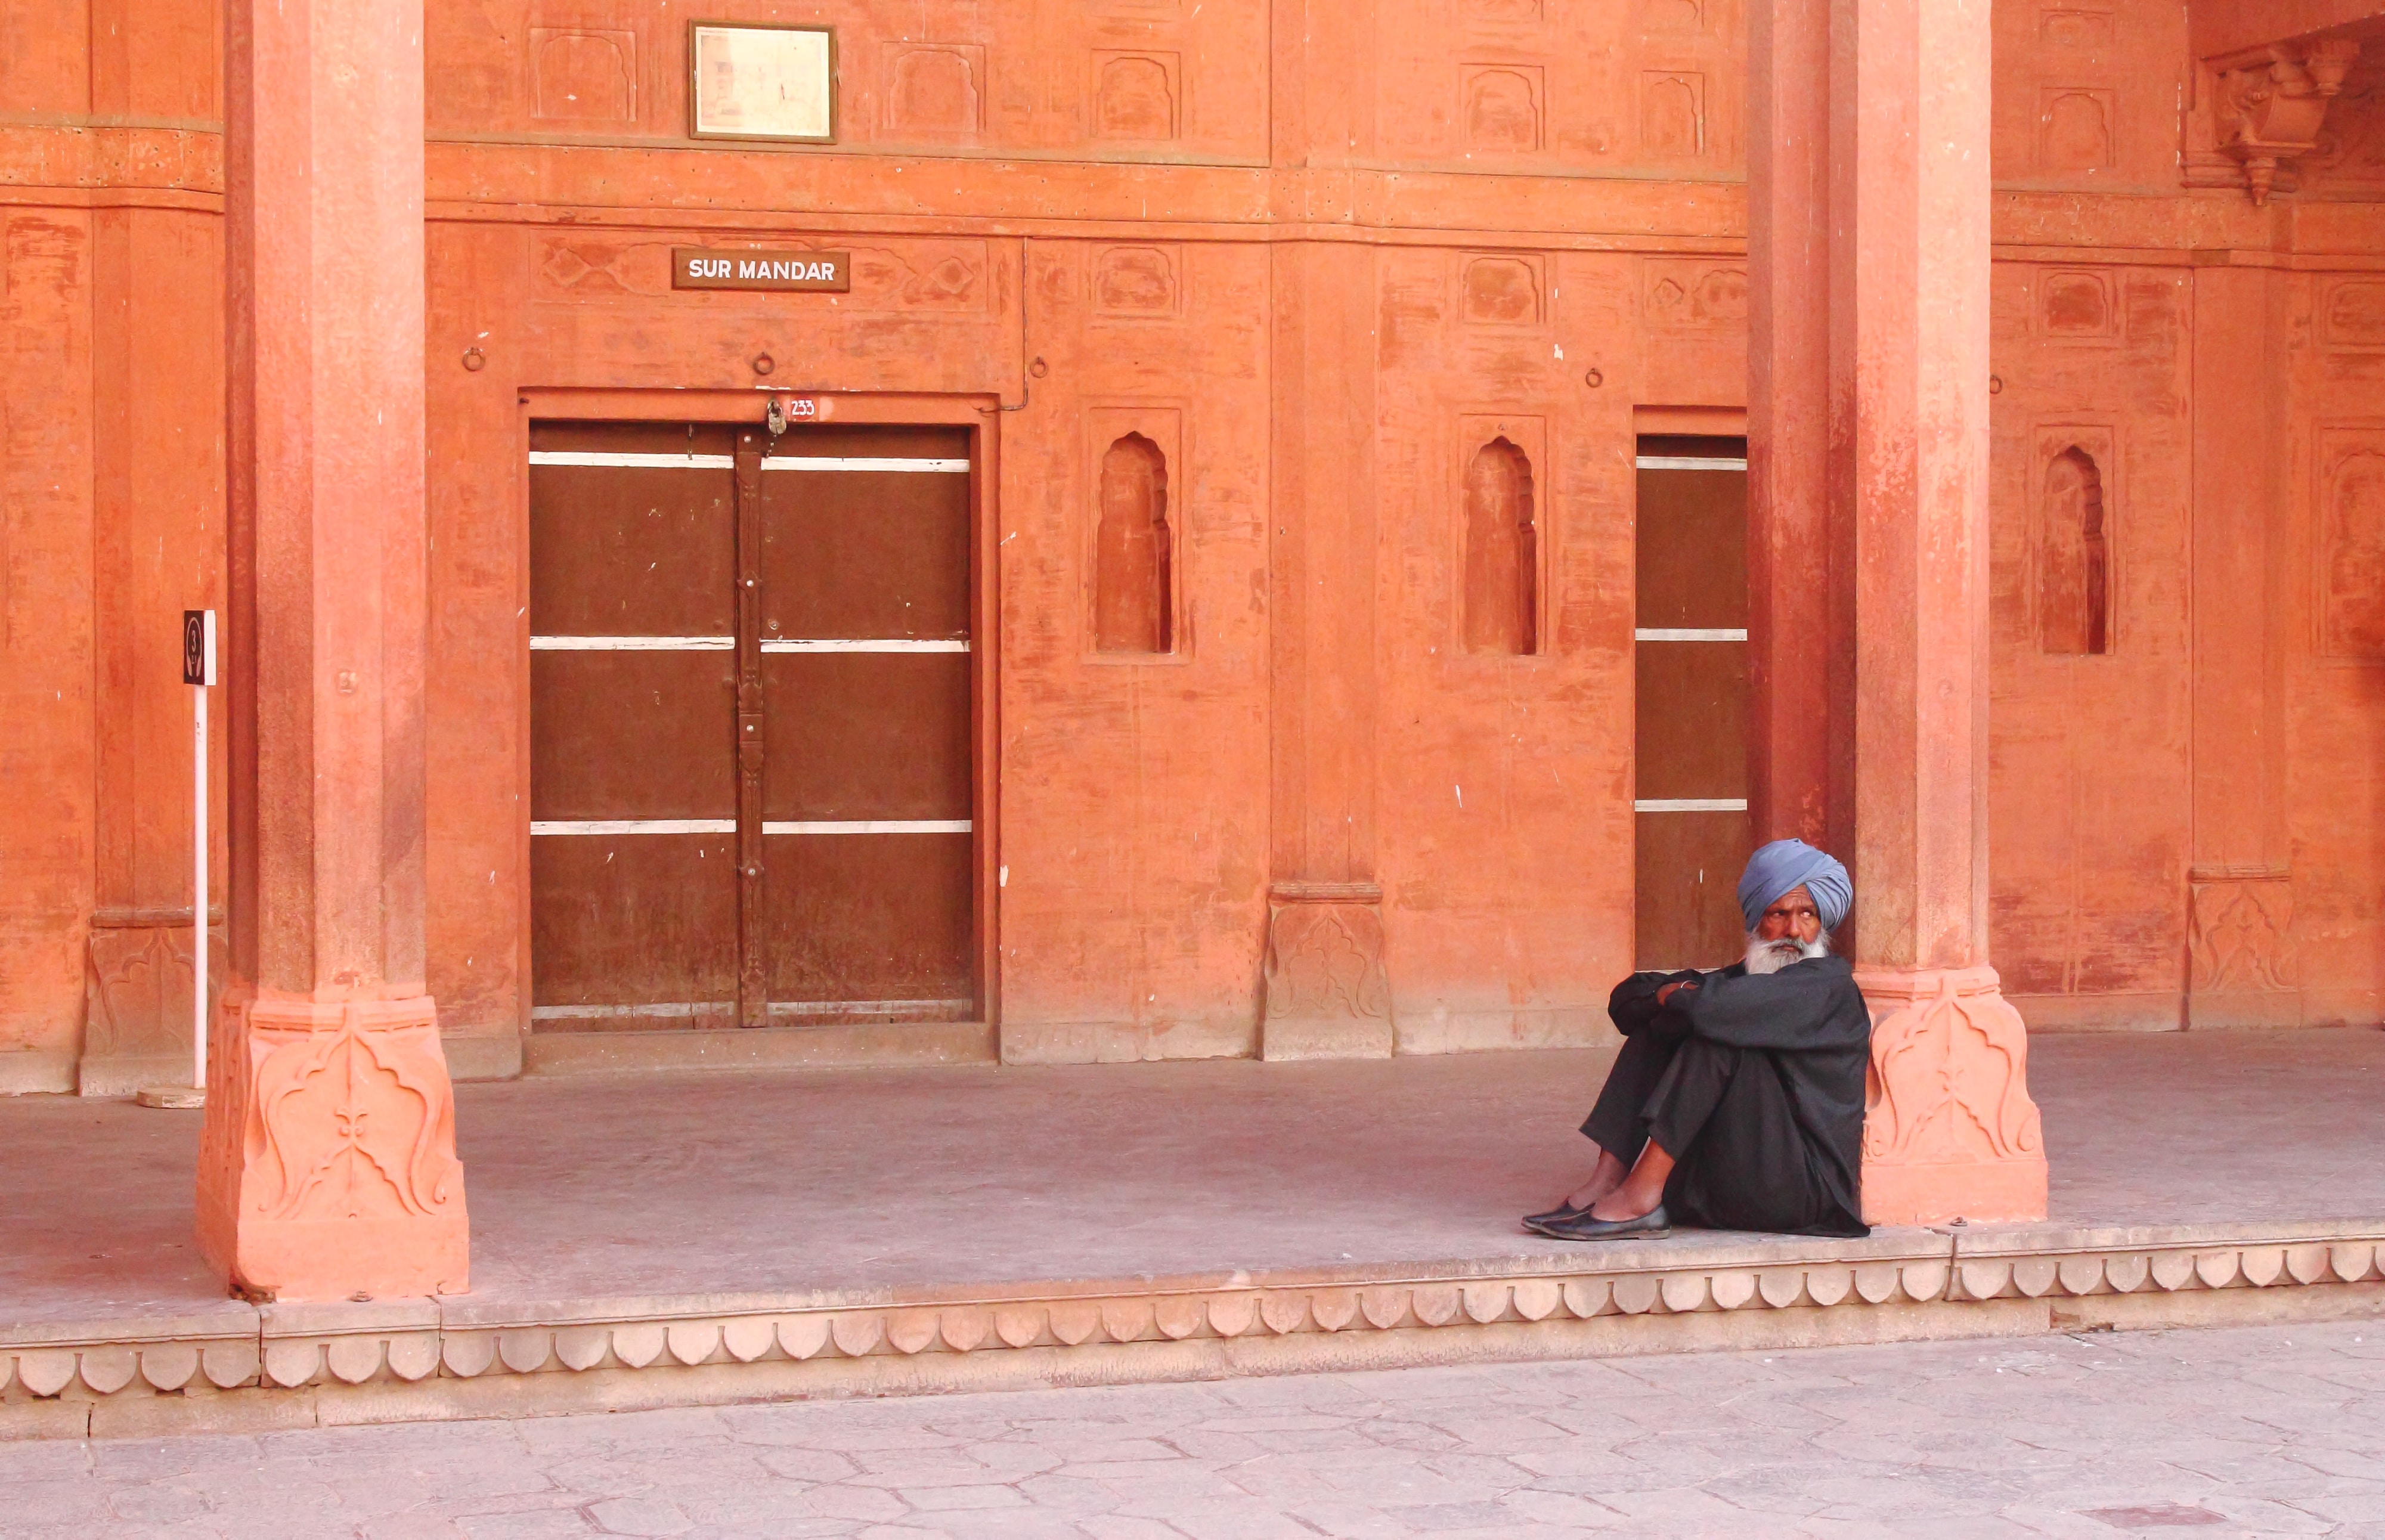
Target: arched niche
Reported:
point(2074, 565)
point(1502, 600)
point(1134, 551)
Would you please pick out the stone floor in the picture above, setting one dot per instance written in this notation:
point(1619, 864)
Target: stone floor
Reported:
point(584, 1188)
point(2270, 1432)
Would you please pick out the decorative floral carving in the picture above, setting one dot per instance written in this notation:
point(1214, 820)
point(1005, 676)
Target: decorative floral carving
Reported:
point(1502, 291)
point(350, 1115)
point(2242, 917)
point(2352, 543)
point(1948, 1089)
point(1136, 281)
point(1326, 959)
point(1690, 293)
point(137, 988)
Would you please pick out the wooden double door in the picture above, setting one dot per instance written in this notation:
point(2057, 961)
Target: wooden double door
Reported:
point(750, 769)
point(1690, 646)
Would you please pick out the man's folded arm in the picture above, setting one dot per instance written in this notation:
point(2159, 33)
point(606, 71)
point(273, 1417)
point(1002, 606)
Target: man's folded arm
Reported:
point(1632, 1008)
point(1797, 1007)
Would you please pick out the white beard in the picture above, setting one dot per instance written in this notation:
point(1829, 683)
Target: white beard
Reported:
point(1771, 956)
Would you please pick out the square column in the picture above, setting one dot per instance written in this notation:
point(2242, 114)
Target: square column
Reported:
point(1328, 992)
point(328, 1167)
point(2241, 968)
point(1326, 985)
point(1876, 114)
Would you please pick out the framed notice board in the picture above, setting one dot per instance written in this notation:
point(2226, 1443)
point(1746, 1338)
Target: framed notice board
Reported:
point(749, 79)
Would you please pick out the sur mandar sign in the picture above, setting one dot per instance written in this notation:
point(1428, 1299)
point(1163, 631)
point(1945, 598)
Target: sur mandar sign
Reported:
point(698, 268)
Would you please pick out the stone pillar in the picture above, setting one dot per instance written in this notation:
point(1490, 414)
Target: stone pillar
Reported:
point(1327, 994)
point(2240, 886)
point(1951, 1129)
point(328, 1167)
point(1800, 574)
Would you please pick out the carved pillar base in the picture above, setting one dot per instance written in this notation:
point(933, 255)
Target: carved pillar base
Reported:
point(1328, 995)
point(2239, 951)
point(327, 1169)
point(1949, 1129)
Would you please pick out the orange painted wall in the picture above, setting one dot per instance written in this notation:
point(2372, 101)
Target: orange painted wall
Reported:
point(1191, 215)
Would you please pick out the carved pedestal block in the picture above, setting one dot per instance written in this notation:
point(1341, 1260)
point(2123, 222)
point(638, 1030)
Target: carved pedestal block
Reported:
point(1949, 1129)
point(137, 979)
point(2240, 956)
point(1328, 995)
point(327, 1169)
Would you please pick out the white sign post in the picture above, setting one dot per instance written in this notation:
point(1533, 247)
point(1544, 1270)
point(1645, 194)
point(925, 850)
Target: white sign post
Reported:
point(199, 673)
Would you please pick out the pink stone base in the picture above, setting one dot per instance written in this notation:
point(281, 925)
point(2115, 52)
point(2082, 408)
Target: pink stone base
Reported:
point(1977, 1192)
point(328, 1167)
point(1949, 1128)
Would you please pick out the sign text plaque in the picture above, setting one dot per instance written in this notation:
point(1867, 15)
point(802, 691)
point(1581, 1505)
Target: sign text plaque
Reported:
point(818, 272)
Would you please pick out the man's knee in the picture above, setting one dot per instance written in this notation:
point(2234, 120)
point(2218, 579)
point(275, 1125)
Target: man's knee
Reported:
point(1704, 1058)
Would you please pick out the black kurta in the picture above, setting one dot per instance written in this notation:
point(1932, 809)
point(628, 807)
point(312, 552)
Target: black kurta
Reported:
point(1755, 1084)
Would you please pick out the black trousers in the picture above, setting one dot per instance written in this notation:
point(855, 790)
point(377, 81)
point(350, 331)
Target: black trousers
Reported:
point(1724, 1116)
point(1666, 1085)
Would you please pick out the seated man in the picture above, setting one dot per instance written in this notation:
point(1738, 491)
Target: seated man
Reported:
point(1738, 1100)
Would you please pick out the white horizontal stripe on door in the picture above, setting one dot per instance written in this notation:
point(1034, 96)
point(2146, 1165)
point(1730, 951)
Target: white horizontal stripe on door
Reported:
point(863, 462)
point(633, 643)
point(1693, 462)
point(661, 1010)
point(865, 643)
point(1689, 633)
point(633, 462)
point(862, 1007)
point(633, 826)
point(1690, 805)
point(868, 826)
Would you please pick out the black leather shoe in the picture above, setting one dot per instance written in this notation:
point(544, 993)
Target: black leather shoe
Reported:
point(1562, 1211)
point(1581, 1227)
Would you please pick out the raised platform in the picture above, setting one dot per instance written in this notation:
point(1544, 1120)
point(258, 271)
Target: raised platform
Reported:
point(641, 1241)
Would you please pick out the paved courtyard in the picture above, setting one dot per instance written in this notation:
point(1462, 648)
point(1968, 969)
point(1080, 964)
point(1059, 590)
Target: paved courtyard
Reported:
point(2268, 1431)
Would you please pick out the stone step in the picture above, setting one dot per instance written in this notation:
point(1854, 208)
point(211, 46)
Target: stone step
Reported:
point(285, 1365)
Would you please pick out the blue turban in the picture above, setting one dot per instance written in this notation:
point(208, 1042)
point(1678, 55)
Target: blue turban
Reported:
point(1786, 864)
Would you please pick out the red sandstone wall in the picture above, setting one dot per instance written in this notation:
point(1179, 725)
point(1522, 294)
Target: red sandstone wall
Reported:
point(2090, 802)
point(1134, 822)
point(2333, 561)
point(1134, 813)
point(1013, 194)
point(2188, 819)
point(110, 499)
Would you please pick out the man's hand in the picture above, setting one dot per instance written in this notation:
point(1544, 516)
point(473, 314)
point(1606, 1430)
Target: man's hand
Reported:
point(1665, 995)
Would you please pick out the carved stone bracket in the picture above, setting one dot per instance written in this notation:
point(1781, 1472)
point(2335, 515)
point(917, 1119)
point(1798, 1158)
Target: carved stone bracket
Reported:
point(328, 1167)
point(2267, 109)
point(2240, 947)
point(1949, 1129)
point(1328, 995)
